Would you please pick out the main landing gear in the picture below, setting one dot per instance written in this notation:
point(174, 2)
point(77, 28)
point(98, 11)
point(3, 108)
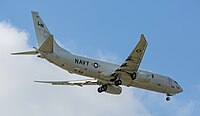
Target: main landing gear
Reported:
point(133, 76)
point(102, 88)
point(118, 82)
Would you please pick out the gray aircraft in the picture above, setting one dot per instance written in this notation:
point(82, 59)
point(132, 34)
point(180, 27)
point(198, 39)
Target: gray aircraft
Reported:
point(109, 76)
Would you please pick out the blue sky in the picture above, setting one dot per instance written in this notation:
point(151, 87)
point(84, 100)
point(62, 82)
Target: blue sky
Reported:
point(110, 29)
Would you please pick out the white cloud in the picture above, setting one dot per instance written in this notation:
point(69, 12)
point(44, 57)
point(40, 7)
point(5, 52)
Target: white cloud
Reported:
point(19, 95)
point(186, 109)
point(156, 104)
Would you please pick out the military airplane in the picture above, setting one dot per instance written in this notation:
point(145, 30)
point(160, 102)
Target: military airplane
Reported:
point(108, 76)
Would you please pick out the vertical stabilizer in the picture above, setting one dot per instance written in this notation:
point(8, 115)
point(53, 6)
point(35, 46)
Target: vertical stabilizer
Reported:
point(41, 30)
point(46, 42)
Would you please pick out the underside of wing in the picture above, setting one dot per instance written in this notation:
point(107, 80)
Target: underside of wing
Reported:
point(132, 63)
point(74, 82)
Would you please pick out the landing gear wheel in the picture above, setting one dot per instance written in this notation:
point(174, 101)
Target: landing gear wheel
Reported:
point(102, 88)
point(134, 75)
point(168, 98)
point(99, 90)
point(112, 80)
point(118, 82)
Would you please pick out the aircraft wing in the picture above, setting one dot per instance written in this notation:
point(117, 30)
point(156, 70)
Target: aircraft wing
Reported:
point(132, 63)
point(74, 82)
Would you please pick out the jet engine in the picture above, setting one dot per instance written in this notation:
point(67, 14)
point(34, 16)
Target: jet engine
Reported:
point(112, 89)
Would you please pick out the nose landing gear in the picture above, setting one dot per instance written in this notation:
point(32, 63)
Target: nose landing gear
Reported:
point(167, 98)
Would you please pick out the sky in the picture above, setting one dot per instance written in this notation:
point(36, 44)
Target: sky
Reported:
point(106, 30)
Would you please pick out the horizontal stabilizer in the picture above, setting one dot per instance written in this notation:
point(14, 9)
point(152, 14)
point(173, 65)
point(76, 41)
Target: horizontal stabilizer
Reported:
point(74, 82)
point(25, 53)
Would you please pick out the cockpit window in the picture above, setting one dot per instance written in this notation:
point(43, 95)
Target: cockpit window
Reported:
point(175, 82)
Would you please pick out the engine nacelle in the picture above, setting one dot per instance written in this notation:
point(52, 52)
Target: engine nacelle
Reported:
point(112, 89)
point(143, 78)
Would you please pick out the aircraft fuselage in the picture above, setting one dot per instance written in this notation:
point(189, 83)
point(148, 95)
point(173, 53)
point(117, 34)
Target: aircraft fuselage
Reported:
point(101, 70)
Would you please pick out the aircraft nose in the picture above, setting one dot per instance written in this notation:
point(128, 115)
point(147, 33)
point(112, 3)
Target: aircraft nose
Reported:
point(181, 90)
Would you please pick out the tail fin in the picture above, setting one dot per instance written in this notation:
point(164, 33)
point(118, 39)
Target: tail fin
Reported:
point(41, 30)
point(46, 42)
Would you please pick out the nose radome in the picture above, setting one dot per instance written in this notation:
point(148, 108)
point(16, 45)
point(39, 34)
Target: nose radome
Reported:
point(181, 90)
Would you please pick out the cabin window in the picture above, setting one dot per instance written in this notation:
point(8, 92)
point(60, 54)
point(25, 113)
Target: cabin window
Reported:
point(175, 82)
